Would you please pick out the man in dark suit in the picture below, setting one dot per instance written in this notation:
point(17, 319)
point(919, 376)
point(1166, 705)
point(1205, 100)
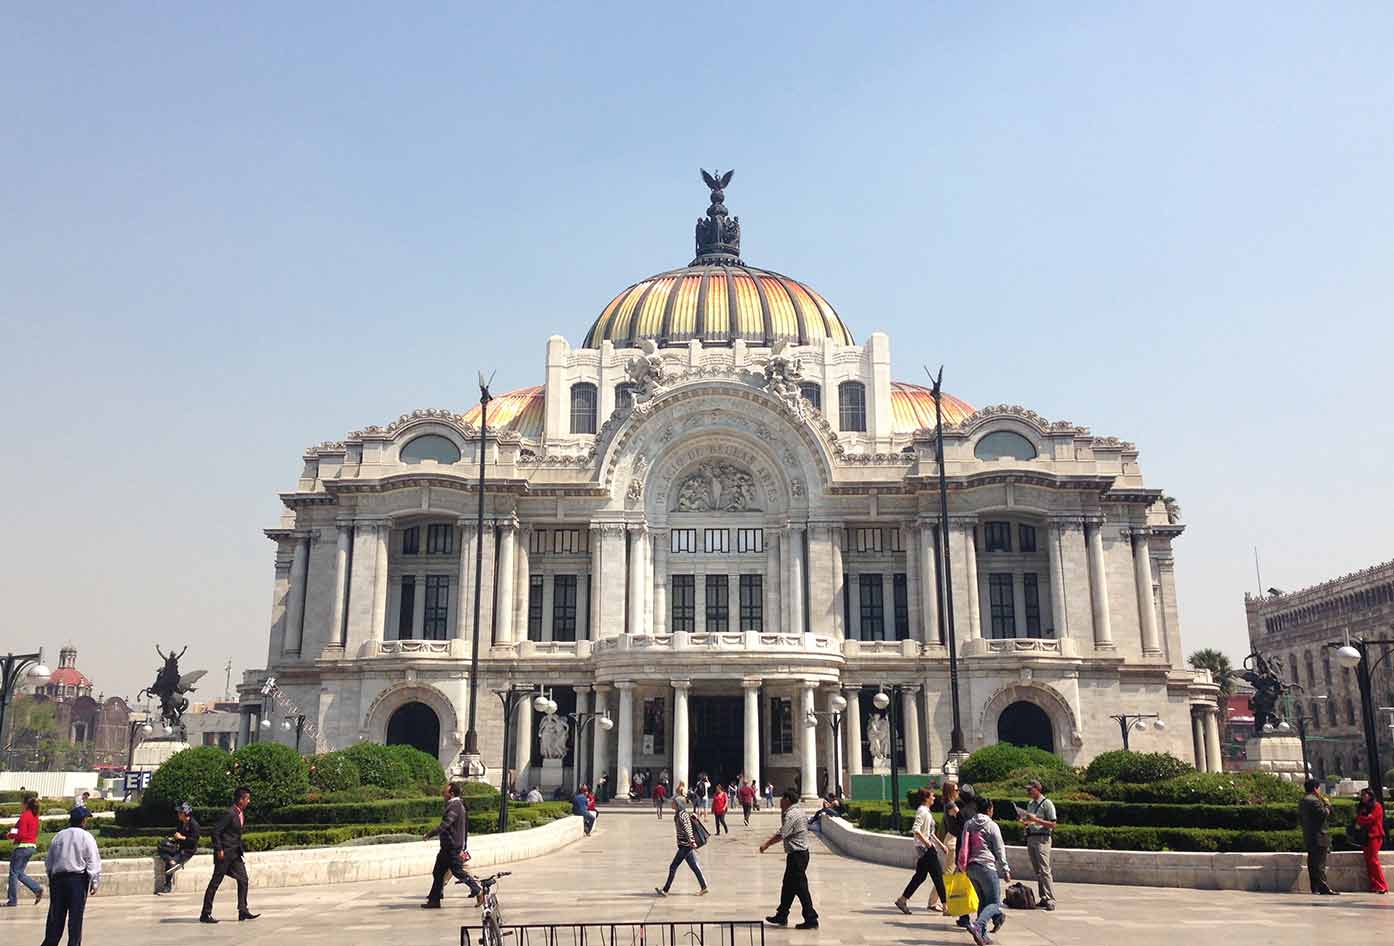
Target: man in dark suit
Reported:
point(1314, 811)
point(227, 857)
point(453, 832)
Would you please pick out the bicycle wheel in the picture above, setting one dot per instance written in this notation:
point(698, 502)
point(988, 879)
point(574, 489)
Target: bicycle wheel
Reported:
point(491, 934)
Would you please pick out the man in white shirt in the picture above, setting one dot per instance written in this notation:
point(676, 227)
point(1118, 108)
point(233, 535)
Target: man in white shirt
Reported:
point(74, 870)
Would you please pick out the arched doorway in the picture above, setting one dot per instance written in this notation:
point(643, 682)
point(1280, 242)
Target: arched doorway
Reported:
point(415, 724)
point(1026, 724)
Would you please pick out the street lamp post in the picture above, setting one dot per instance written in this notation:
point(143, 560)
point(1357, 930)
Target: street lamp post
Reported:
point(944, 589)
point(883, 701)
point(1127, 722)
point(12, 670)
point(1354, 654)
point(512, 698)
point(834, 715)
point(579, 722)
point(471, 749)
point(298, 726)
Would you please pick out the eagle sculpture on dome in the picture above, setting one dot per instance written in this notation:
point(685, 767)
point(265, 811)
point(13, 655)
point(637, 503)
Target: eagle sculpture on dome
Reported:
point(718, 233)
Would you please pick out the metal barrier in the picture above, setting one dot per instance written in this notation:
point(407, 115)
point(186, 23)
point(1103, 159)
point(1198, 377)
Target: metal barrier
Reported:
point(644, 933)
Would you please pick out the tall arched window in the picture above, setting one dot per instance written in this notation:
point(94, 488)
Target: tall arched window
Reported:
point(1331, 712)
point(1311, 672)
point(812, 392)
point(624, 396)
point(1292, 669)
point(1350, 712)
point(851, 406)
point(583, 408)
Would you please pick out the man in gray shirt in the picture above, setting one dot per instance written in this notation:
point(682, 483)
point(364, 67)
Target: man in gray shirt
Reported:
point(1040, 824)
point(74, 870)
point(793, 832)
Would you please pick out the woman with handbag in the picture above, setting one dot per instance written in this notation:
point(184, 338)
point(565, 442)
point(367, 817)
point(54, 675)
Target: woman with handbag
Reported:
point(691, 835)
point(927, 850)
point(1369, 822)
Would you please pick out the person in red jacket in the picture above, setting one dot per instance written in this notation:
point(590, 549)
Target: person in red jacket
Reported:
point(26, 836)
point(660, 792)
point(1369, 814)
point(746, 794)
point(719, 803)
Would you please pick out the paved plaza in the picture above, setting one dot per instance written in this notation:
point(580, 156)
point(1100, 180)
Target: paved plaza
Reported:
point(611, 875)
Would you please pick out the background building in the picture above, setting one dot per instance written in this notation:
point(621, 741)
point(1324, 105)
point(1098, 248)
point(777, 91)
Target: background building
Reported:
point(62, 725)
point(714, 515)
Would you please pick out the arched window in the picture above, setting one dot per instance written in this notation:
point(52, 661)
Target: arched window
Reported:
point(624, 396)
point(1316, 714)
point(812, 392)
point(1311, 673)
point(851, 406)
point(1326, 669)
point(1350, 712)
point(1331, 712)
point(1292, 669)
point(430, 447)
point(1004, 444)
point(583, 408)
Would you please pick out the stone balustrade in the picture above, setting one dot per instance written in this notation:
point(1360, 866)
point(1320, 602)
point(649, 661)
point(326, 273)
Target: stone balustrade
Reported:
point(416, 648)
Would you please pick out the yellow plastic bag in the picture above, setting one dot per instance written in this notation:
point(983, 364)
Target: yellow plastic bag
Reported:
point(963, 899)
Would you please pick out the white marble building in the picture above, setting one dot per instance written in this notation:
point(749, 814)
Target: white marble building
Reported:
point(713, 515)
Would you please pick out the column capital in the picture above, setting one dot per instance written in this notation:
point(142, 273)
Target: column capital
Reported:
point(680, 684)
point(602, 688)
point(580, 688)
point(963, 523)
point(637, 528)
point(507, 523)
point(809, 684)
point(608, 528)
point(751, 683)
point(1094, 521)
point(1067, 523)
point(625, 685)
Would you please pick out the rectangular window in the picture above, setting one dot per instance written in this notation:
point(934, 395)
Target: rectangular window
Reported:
point(440, 539)
point(1001, 605)
point(563, 607)
point(866, 540)
point(411, 541)
point(535, 608)
point(1027, 537)
point(590, 632)
point(752, 602)
point(655, 726)
point(781, 726)
point(1032, 594)
point(537, 542)
point(569, 541)
point(433, 628)
point(684, 595)
point(750, 540)
point(900, 588)
point(406, 608)
point(718, 604)
point(896, 540)
point(873, 608)
point(998, 536)
point(716, 540)
point(683, 540)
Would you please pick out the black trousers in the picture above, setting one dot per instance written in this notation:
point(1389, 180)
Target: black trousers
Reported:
point(745, 810)
point(927, 865)
point(795, 884)
point(67, 899)
point(721, 823)
point(170, 860)
point(230, 866)
point(449, 862)
point(1316, 868)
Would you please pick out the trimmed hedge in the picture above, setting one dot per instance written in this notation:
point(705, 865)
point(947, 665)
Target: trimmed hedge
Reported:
point(199, 776)
point(1208, 788)
point(277, 775)
point(426, 771)
point(1121, 765)
point(379, 765)
point(334, 772)
point(996, 762)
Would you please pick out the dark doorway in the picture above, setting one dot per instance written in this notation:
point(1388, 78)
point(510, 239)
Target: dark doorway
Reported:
point(415, 724)
point(716, 734)
point(1026, 724)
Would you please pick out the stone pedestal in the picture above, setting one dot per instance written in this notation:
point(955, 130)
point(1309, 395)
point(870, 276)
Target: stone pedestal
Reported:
point(1279, 755)
point(551, 774)
point(880, 766)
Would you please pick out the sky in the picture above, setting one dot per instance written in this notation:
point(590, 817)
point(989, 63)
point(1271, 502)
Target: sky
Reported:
point(232, 231)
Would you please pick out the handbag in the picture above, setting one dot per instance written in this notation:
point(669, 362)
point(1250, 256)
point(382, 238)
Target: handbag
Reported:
point(700, 834)
point(1358, 834)
point(963, 899)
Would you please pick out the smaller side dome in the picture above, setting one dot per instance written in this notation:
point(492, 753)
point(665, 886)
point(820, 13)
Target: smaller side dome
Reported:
point(519, 412)
point(912, 408)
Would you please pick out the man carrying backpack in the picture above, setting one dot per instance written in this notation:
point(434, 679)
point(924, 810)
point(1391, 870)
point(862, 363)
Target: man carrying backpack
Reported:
point(1039, 820)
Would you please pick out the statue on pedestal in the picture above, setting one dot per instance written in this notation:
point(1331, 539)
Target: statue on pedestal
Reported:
point(1269, 687)
point(878, 737)
point(170, 687)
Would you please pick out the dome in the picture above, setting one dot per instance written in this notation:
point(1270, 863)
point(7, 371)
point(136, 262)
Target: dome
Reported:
point(717, 297)
point(912, 408)
point(519, 412)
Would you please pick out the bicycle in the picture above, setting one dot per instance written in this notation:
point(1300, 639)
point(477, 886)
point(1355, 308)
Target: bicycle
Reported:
point(491, 923)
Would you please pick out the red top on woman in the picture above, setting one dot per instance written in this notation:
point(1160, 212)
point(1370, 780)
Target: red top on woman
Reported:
point(719, 804)
point(1373, 822)
point(27, 828)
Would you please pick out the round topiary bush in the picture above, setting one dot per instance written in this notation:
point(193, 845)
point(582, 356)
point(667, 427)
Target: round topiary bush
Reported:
point(1120, 765)
point(334, 772)
point(379, 765)
point(202, 777)
point(994, 763)
point(1052, 779)
point(478, 790)
point(426, 771)
point(276, 774)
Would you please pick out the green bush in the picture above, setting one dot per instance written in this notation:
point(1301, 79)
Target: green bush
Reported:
point(472, 790)
point(1014, 785)
point(358, 793)
point(1120, 765)
point(334, 772)
point(426, 771)
point(276, 774)
point(372, 812)
point(1202, 788)
point(201, 776)
point(379, 765)
point(994, 763)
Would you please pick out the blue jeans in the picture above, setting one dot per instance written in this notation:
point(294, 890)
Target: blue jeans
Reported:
point(685, 854)
point(19, 858)
point(989, 890)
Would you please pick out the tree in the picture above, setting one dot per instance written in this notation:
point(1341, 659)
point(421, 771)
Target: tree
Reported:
point(1218, 664)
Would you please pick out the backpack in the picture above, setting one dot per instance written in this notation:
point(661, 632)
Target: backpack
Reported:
point(1020, 897)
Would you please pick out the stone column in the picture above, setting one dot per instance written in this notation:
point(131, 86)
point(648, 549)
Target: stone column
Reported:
point(508, 566)
point(1057, 583)
point(808, 736)
point(464, 598)
point(796, 578)
point(970, 564)
point(751, 762)
point(634, 613)
point(522, 743)
point(578, 744)
point(1146, 602)
point(418, 611)
point(682, 752)
point(910, 729)
point(774, 583)
point(384, 533)
point(359, 599)
point(600, 764)
point(888, 606)
point(910, 541)
point(523, 591)
point(658, 555)
point(1019, 603)
point(610, 586)
point(295, 607)
point(852, 726)
point(1098, 584)
point(733, 598)
point(1214, 759)
point(1198, 741)
point(838, 536)
point(929, 570)
point(624, 755)
point(335, 635)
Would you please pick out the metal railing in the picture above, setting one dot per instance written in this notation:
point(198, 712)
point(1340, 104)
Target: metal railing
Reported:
point(643, 933)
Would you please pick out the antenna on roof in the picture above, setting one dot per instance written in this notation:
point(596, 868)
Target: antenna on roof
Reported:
point(1258, 574)
point(227, 683)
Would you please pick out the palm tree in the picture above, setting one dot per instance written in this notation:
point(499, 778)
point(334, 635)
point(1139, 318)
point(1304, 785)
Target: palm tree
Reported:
point(1218, 664)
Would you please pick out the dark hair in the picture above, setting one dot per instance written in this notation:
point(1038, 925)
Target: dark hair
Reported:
point(924, 796)
point(791, 795)
point(454, 789)
point(1310, 785)
point(985, 806)
point(32, 803)
point(241, 792)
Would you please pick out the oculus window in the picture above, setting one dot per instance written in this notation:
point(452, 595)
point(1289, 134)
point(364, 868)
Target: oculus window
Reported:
point(431, 447)
point(1004, 445)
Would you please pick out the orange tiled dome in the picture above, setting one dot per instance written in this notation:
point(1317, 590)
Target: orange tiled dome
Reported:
point(517, 411)
point(912, 407)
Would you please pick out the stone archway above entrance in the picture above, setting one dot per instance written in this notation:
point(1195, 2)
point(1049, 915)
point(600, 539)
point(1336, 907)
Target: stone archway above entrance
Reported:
point(1064, 725)
point(379, 717)
point(415, 724)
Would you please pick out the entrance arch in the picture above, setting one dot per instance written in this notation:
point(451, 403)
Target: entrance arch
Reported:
point(1025, 724)
point(415, 724)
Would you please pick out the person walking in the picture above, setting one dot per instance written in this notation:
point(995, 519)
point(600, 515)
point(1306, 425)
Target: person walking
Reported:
point(454, 834)
point(74, 870)
point(687, 846)
point(947, 831)
point(1040, 825)
point(793, 832)
point(25, 835)
point(581, 806)
point(769, 794)
point(746, 795)
point(927, 849)
point(1369, 815)
point(1314, 811)
point(227, 857)
point(719, 804)
point(176, 850)
point(983, 856)
point(660, 794)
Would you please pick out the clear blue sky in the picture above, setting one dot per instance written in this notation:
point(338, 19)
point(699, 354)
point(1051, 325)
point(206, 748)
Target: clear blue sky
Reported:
point(229, 233)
